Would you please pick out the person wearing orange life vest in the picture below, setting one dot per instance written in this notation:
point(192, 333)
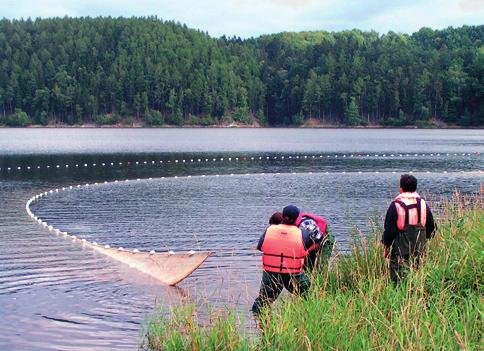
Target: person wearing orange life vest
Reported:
point(284, 247)
point(408, 225)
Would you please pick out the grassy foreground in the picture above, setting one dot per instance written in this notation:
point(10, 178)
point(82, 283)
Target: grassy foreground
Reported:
point(355, 307)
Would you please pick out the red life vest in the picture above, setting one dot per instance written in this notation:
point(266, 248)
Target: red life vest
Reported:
point(320, 221)
point(283, 249)
point(411, 210)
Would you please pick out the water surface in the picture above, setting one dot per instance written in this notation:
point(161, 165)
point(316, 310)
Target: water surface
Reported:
point(56, 295)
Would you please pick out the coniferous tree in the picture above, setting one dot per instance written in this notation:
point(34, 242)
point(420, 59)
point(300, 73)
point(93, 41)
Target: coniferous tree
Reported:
point(72, 70)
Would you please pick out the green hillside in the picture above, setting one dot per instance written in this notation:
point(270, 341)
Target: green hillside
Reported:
point(107, 70)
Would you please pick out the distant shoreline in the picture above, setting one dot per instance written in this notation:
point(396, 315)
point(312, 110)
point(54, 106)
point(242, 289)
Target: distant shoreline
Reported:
point(308, 124)
point(231, 126)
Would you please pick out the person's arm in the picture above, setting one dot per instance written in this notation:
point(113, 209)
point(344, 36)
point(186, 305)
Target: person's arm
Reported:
point(430, 225)
point(307, 241)
point(390, 230)
point(261, 241)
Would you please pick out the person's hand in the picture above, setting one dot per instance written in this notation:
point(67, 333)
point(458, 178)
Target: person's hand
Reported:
point(386, 252)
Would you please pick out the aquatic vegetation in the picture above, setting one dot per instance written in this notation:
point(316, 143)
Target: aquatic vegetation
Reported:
point(353, 306)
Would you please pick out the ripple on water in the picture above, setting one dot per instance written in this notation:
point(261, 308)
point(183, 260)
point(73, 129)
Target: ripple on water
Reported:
point(226, 214)
point(56, 295)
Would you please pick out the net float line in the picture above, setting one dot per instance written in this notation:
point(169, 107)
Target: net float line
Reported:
point(245, 158)
point(168, 267)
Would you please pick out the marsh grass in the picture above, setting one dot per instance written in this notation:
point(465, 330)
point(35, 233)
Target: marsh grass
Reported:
point(353, 306)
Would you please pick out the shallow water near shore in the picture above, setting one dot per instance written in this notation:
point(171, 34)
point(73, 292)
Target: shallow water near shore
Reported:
point(210, 190)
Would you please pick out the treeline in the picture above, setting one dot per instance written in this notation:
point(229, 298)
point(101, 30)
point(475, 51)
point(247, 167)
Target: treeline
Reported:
point(109, 70)
point(356, 77)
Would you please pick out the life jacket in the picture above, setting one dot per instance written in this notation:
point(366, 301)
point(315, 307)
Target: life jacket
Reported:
point(412, 217)
point(283, 249)
point(411, 210)
point(320, 222)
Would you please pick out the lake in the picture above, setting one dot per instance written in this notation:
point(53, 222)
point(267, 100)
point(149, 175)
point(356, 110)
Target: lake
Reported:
point(200, 189)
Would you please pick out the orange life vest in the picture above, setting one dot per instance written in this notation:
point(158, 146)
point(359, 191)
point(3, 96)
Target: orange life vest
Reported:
point(283, 249)
point(411, 209)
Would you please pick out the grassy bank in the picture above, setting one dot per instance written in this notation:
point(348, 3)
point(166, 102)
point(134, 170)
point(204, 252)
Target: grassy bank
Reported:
point(355, 307)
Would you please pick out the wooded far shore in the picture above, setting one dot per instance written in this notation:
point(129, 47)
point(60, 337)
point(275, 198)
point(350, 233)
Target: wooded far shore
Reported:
point(130, 71)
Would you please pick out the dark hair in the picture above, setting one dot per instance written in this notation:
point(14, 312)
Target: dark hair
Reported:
point(290, 214)
point(276, 218)
point(408, 183)
point(288, 220)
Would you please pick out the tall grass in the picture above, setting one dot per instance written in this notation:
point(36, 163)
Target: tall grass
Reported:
point(353, 306)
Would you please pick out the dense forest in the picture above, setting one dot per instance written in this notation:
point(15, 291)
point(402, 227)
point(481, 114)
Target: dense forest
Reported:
point(126, 70)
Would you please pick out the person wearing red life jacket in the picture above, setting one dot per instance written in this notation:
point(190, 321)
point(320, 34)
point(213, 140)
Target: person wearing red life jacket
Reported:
point(318, 229)
point(284, 247)
point(408, 225)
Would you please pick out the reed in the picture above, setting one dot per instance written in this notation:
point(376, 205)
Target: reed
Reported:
point(353, 306)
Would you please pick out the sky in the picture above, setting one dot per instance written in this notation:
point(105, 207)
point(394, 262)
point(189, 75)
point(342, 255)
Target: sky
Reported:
point(251, 18)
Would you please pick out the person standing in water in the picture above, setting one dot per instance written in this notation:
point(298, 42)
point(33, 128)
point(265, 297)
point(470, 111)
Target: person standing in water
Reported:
point(284, 247)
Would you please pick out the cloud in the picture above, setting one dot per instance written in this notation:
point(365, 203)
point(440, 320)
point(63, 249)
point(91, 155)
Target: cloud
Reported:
point(437, 15)
point(56, 11)
point(246, 18)
point(471, 5)
point(338, 15)
point(286, 3)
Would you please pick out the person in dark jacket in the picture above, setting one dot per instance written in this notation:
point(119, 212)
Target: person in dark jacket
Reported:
point(319, 231)
point(409, 223)
point(284, 247)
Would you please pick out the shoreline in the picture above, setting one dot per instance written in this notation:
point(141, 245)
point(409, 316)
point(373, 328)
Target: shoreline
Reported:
point(232, 126)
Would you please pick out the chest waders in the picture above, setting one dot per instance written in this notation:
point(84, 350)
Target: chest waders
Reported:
point(283, 254)
point(409, 245)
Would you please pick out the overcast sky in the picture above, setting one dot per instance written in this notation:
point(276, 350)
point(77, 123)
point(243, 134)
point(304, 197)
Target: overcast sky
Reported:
point(247, 18)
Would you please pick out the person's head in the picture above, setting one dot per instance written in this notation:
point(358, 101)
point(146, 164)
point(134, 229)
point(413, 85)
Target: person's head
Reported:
point(290, 214)
point(276, 218)
point(408, 183)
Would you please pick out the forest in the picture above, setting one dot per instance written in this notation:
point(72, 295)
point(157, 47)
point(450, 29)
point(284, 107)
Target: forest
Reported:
point(145, 70)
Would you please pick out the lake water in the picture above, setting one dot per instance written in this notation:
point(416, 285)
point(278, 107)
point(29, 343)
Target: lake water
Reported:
point(210, 189)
